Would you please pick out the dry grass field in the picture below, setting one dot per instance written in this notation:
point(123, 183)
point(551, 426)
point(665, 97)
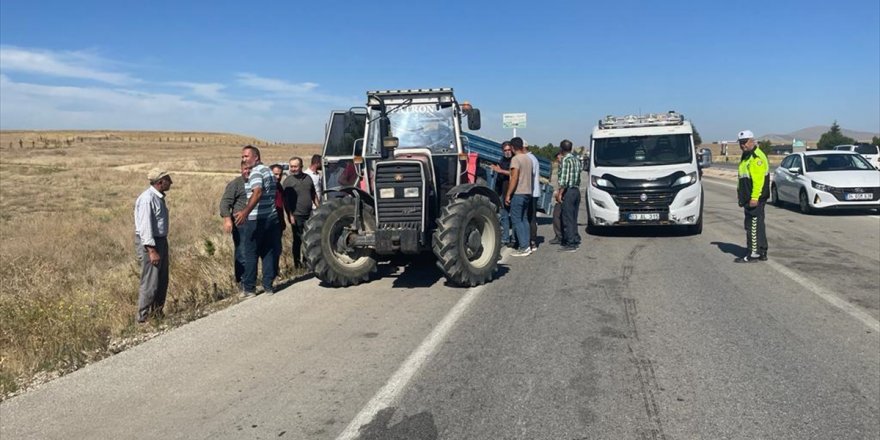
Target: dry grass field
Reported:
point(68, 276)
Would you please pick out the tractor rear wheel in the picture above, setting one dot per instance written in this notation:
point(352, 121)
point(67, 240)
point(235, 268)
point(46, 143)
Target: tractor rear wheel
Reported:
point(467, 241)
point(327, 250)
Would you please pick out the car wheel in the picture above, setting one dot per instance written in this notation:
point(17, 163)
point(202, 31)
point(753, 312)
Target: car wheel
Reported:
point(774, 196)
point(804, 202)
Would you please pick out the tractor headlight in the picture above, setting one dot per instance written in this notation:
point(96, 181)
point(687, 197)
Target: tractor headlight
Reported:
point(411, 192)
point(386, 193)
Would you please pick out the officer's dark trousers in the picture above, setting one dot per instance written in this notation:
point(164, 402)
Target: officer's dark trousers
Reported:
point(756, 236)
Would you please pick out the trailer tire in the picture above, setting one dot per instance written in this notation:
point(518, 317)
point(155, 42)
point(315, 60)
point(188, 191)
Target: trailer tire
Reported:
point(325, 255)
point(467, 241)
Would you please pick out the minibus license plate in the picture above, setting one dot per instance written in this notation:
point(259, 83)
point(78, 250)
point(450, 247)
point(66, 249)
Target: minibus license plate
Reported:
point(644, 216)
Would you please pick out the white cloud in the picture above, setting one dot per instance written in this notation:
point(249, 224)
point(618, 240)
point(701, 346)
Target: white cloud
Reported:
point(204, 90)
point(248, 104)
point(29, 105)
point(275, 85)
point(71, 64)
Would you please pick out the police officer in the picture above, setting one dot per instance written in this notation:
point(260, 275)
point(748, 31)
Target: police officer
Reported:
point(753, 190)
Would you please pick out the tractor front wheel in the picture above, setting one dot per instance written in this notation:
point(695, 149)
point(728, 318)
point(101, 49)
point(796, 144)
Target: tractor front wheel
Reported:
point(467, 241)
point(326, 242)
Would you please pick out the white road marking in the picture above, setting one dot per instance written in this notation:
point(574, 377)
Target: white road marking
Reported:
point(416, 360)
point(830, 297)
point(819, 291)
point(716, 182)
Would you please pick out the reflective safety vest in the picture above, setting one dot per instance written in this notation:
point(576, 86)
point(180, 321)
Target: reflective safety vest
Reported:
point(754, 177)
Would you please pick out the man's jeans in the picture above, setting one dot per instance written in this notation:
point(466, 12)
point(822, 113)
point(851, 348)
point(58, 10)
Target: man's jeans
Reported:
point(259, 240)
point(519, 216)
point(506, 230)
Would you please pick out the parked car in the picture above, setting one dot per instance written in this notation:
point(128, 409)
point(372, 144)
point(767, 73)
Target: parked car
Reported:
point(826, 180)
point(871, 152)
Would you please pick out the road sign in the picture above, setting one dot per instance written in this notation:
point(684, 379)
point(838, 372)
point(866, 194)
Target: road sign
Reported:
point(514, 120)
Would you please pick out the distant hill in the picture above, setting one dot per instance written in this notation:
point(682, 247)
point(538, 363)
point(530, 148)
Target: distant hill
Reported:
point(812, 134)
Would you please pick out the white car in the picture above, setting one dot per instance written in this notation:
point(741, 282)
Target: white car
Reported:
point(870, 152)
point(826, 179)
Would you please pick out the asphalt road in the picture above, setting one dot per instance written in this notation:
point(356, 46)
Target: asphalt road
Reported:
point(642, 334)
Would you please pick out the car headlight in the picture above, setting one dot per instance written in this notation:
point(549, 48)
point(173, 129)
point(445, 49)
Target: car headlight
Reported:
point(599, 182)
point(823, 187)
point(687, 179)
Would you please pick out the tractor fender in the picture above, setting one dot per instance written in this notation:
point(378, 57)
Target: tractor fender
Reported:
point(350, 192)
point(470, 189)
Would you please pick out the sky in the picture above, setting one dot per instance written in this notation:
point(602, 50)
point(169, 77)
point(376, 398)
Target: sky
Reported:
point(275, 70)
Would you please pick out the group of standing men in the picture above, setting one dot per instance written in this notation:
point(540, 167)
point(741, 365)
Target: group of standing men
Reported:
point(257, 206)
point(519, 186)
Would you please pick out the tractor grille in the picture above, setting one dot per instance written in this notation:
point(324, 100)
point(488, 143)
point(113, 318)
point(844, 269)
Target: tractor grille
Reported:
point(655, 201)
point(399, 211)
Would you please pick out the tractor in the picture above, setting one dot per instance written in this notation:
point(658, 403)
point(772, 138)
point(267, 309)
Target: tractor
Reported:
point(397, 181)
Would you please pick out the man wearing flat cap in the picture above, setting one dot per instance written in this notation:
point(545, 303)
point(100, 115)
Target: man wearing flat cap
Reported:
point(753, 190)
point(151, 244)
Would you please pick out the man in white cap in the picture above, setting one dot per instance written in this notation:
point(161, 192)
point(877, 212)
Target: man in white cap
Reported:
point(753, 190)
point(151, 244)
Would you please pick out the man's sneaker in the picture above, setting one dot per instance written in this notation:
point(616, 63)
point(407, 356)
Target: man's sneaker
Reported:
point(556, 240)
point(748, 259)
point(245, 294)
point(534, 247)
point(763, 257)
point(523, 253)
point(569, 248)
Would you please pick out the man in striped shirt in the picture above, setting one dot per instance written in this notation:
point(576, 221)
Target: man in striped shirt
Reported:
point(258, 224)
point(569, 195)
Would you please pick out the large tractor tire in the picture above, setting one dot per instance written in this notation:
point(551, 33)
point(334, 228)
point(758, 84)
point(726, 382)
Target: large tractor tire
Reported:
point(467, 241)
point(326, 249)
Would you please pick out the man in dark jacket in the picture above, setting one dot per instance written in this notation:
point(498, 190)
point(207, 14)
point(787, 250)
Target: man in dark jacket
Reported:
point(234, 200)
point(501, 182)
point(299, 195)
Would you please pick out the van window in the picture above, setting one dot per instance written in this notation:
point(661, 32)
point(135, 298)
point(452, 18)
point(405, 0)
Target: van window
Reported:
point(866, 149)
point(636, 151)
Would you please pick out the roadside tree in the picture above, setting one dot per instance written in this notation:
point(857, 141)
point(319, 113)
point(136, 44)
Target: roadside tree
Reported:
point(833, 137)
